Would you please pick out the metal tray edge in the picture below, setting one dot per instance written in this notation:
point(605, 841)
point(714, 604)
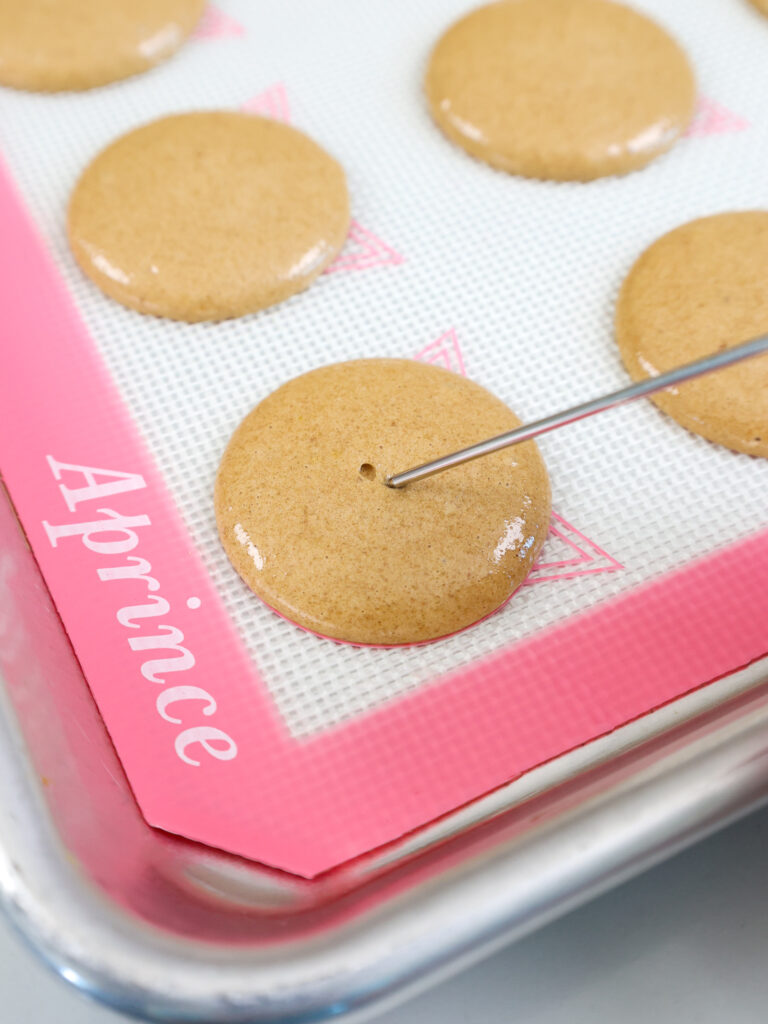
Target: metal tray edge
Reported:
point(512, 888)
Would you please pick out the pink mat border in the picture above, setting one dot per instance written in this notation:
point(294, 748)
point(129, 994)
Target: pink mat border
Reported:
point(306, 806)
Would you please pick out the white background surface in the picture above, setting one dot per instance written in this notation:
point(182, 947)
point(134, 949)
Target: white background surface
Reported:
point(686, 943)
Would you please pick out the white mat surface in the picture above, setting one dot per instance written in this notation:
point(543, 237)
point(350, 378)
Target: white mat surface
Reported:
point(526, 273)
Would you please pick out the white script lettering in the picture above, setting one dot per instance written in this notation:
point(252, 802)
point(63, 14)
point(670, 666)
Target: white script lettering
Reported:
point(116, 534)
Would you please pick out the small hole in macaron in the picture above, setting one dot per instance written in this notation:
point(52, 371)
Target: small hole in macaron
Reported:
point(367, 471)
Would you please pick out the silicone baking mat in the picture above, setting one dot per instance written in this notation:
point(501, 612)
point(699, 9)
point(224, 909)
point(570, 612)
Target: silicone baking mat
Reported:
point(317, 751)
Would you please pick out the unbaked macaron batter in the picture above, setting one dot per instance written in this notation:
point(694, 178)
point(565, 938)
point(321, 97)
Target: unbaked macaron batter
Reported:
point(697, 290)
point(560, 89)
point(209, 215)
point(53, 45)
point(308, 522)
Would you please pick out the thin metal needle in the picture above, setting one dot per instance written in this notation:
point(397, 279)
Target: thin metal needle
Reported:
point(579, 412)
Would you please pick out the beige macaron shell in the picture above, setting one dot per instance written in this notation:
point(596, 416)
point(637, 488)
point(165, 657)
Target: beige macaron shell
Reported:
point(52, 45)
point(761, 5)
point(344, 555)
point(206, 216)
point(560, 89)
point(697, 290)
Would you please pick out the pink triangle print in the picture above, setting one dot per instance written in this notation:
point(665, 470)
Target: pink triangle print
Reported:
point(444, 351)
point(364, 250)
point(567, 553)
point(215, 24)
point(711, 118)
point(272, 102)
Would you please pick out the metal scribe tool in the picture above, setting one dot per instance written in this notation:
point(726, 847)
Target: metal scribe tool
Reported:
point(643, 388)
